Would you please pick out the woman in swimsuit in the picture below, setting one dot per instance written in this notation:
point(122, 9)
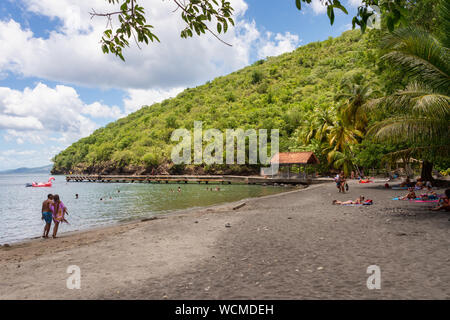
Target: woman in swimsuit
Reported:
point(445, 204)
point(410, 196)
point(58, 211)
point(360, 200)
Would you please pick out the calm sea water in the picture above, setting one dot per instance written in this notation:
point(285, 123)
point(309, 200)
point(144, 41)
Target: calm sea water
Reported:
point(20, 207)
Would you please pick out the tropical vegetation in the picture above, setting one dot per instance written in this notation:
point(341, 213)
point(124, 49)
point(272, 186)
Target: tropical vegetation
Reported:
point(359, 101)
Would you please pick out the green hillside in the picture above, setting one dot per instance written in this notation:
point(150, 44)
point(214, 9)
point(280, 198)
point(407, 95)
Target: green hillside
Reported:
point(278, 93)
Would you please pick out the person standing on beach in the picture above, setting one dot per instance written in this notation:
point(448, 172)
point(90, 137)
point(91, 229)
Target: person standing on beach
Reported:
point(337, 179)
point(58, 211)
point(343, 182)
point(47, 215)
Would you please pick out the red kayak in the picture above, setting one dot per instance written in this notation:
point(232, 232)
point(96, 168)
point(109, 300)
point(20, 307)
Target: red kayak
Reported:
point(43, 184)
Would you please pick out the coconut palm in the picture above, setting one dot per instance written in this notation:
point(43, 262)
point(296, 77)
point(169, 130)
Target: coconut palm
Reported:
point(342, 136)
point(317, 125)
point(356, 95)
point(421, 111)
point(342, 160)
point(341, 139)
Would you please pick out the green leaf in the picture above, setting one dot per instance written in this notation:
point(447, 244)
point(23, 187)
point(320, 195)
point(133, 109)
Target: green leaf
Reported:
point(338, 5)
point(298, 3)
point(390, 23)
point(330, 13)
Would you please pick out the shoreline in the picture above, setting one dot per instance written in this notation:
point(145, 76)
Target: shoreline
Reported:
point(291, 245)
point(157, 216)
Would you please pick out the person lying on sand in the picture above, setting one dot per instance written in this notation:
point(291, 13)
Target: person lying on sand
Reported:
point(410, 196)
point(444, 204)
point(429, 195)
point(360, 200)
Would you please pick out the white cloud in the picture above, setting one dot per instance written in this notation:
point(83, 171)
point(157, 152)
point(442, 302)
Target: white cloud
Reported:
point(20, 137)
point(318, 7)
point(139, 97)
point(72, 53)
point(20, 123)
point(14, 158)
point(13, 152)
point(355, 3)
point(49, 110)
point(281, 43)
point(98, 110)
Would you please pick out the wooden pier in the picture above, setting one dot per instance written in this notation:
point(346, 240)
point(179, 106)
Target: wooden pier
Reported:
point(185, 179)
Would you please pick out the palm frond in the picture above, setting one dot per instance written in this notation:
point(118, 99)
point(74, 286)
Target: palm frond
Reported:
point(416, 99)
point(413, 129)
point(444, 22)
point(418, 152)
point(420, 55)
point(436, 104)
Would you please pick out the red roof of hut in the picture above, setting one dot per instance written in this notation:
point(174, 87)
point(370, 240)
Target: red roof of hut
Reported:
point(295, 158)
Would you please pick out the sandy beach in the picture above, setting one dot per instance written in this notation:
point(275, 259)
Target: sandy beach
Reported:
point(295, 245)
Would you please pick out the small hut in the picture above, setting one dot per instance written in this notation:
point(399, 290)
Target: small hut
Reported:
point(290, 159)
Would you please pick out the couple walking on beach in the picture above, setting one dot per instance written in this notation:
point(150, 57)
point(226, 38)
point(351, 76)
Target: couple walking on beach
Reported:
point(53, 209)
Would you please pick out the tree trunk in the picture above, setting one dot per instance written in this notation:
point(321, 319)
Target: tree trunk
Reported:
point(427, 171)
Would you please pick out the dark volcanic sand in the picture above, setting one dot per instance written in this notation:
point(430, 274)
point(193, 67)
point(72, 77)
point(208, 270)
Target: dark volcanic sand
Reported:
point(290, 246)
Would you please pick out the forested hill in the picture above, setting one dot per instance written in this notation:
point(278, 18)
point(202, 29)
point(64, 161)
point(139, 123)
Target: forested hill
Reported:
point(273, 93)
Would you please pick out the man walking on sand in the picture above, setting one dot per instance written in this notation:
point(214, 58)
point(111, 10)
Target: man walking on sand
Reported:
point(47, 214)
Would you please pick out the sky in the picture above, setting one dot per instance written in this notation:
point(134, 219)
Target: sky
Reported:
point(56, 85)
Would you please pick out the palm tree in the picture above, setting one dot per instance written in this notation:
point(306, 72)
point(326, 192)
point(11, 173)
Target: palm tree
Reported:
point(343, 160)
point(422, 110)
point(317, 125)
point(341, 138)
point(356, 95)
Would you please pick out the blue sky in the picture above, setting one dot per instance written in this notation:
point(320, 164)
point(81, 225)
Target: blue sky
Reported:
point(56, 86)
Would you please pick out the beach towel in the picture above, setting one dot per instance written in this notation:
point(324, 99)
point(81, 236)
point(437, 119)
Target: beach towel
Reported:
point(365, 181)
point(418, 200)
point(399, 188)
point(365, 203)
